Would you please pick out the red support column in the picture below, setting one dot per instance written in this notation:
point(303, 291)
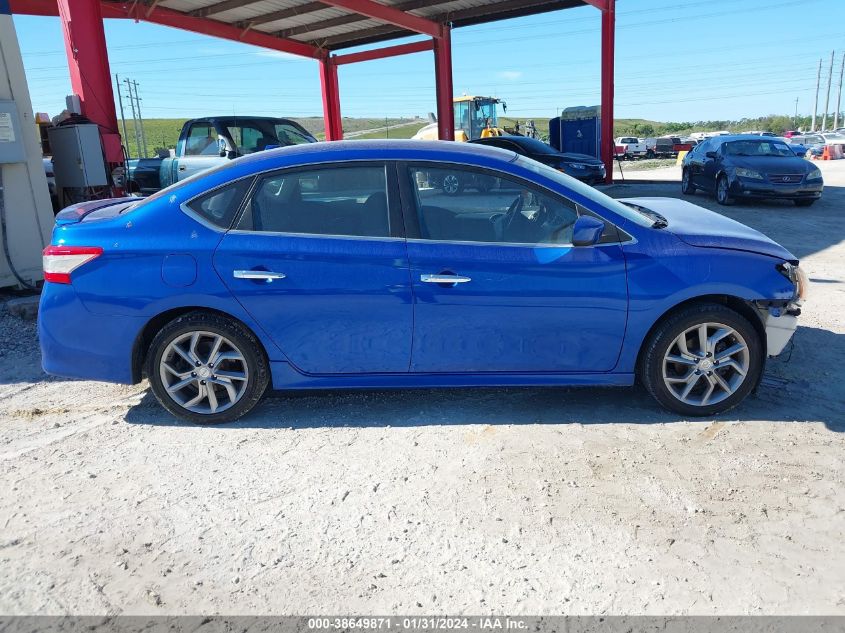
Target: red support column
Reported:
point(608, 36)
point(443, 84)
point(331, 99)
point(90, 77)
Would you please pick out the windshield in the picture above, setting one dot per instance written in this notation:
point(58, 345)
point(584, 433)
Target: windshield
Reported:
point(757, 148)
point(587, 191)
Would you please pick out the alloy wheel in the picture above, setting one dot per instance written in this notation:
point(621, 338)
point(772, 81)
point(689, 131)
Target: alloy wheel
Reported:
point(706, 364)
point(451, 184)
point(204, 372)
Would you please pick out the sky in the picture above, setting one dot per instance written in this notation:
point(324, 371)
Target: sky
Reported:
point(676, 60)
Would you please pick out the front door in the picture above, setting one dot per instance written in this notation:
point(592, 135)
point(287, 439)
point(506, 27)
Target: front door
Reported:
point(319, 261)
point(498, 287)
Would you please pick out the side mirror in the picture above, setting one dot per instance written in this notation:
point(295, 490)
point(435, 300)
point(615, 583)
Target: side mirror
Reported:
point(587, 231)
point(221, 147)
point(711, 155)
point(231, 154)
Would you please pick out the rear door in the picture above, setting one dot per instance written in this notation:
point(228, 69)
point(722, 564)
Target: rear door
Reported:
point(318, 259)
point(498, 286)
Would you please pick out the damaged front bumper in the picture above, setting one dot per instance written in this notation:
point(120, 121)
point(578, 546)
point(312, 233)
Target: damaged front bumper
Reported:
point(780, 318)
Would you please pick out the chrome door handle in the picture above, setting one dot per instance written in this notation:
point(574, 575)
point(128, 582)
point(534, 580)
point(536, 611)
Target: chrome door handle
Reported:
point(266, 275)
point(444, 279)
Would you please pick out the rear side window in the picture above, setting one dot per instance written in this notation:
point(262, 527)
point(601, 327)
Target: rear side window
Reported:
point(220, 205)
point(347, 200)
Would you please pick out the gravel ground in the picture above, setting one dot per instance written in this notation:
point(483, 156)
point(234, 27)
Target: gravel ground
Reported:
point(523, 501)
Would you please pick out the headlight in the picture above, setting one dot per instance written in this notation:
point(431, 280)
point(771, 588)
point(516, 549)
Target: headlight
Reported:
point(815, 174)
point(748, 173)
point(578, 165)
point(797, 276)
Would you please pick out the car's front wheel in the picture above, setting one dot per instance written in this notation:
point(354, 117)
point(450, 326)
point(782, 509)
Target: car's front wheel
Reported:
point(687, 188)
point(702, 360)
point(206, 368)
point(723, 191)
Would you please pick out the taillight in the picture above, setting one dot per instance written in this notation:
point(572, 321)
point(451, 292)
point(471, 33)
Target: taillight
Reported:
point(61, 261)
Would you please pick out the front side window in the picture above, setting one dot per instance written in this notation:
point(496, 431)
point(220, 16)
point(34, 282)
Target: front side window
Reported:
point(347, 200)
point(458, 204)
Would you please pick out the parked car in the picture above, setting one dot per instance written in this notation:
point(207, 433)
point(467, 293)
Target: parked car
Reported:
point(582, 167)
point(744, 166)
point(209, 142)
point(630, 147)
point(669, 146)
point(335, 265)
point(51, 181)
point(798, 148)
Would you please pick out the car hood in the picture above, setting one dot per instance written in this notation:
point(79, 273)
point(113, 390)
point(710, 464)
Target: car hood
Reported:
point(574, 157)
point(698, 226)
point(773, 164)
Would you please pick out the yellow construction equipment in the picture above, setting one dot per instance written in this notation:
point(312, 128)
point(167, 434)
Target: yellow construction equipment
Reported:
point(475, 117)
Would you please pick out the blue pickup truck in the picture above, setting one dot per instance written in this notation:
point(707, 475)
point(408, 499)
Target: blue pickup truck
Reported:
point(208, 142)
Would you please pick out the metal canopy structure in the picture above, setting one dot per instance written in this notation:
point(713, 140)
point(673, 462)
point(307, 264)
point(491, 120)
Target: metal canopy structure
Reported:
point(307, 28)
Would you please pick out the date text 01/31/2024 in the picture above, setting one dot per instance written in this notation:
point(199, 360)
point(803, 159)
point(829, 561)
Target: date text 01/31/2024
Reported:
point(418, 623)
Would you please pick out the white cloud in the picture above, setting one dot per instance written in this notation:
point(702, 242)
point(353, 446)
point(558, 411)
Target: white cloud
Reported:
point(510, 75)
point(276, 54)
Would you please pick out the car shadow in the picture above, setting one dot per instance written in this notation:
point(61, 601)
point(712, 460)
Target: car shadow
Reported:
point(791, 391)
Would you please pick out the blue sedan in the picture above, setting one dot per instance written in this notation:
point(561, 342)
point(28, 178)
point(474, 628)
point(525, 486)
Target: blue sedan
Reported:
point(343, 265)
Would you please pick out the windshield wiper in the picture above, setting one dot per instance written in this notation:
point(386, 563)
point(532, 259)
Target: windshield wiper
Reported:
point(661, 223)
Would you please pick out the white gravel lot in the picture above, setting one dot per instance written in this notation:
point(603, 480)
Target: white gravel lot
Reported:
point(523, 501)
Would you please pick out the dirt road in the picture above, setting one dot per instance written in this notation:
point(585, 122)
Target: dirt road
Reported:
point(522, 501)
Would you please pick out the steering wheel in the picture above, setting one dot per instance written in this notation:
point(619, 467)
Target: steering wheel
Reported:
point(511, 214)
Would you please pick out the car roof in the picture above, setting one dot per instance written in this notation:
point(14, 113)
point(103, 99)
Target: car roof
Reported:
point(381, 149)
point(743, 137)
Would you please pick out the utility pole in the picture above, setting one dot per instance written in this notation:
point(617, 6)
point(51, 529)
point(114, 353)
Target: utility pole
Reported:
point(827, 98)
point(122, 115)
point(816, 106)
point(140, 119)
point(134, 116)
point(795, 118)
point(839, 94)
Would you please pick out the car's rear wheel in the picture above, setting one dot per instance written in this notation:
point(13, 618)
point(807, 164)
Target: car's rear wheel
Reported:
point(206, 368)
point(687, 188)
point(723, 191)
point(804, 203)
point(702, 360)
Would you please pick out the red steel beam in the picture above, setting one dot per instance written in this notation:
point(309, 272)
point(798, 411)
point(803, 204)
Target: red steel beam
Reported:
point(598, 4)
point(179, 20)
point(381, 53)
point(443, 84)
point(608, 37)
point(331, 100)
point(88, 62)
point(384, 13)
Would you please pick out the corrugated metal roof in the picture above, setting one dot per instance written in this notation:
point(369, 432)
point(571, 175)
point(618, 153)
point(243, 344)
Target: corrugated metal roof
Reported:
point(330, 27)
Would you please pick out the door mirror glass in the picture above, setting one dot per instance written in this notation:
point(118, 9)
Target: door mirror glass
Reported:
point(711, 155)
point(587, 231)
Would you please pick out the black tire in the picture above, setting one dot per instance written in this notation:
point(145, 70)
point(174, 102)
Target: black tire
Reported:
point(452, 184)
point(804, 203)
point(253, 354)
point(687, 188)
point(723, 195)
point(650, 369)
point(649, 153)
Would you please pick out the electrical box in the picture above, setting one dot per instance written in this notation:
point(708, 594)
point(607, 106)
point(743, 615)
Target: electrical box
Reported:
point(78, 156)
point(11, 140)
point(577, 129)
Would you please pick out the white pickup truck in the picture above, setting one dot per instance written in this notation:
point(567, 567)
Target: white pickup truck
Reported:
point(630, 147)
